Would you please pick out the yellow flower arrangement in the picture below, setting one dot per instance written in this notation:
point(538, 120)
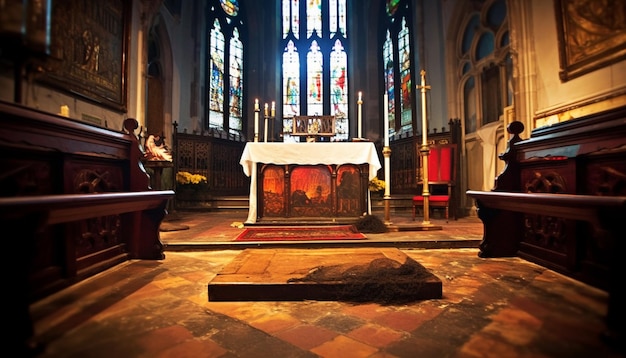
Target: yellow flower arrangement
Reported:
point(186, 178)
point(376, 184)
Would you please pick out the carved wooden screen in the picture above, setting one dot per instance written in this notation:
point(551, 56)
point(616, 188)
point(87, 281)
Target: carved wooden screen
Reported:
point(314, 125)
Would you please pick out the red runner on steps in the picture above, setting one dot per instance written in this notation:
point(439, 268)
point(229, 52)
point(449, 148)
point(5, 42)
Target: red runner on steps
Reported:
point(301, 233)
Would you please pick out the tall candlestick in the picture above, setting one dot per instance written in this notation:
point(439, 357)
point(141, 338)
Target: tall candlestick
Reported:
point(423, 88)
point(425, 151)
point(386, 118)
point(256, 120)
point(360, 115)
point(265, 129)
point(266, 114)
point(387, 157)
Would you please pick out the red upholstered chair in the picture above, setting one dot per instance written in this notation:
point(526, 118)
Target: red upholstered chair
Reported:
point(441, 179)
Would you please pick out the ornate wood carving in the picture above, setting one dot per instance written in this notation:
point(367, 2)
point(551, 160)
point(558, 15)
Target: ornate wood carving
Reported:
point(313, 190)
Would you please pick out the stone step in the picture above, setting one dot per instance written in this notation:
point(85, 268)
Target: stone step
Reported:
point(398, 203)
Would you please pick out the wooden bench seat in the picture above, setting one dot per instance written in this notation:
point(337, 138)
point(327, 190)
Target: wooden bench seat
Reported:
point(504, 230)
point(561, 202)
point(75, 200)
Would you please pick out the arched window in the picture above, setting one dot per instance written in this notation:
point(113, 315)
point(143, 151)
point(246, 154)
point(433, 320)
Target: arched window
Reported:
point(315, 62)
point(388, 56)
point(225, 53)
point(485, 65)
point(398, 65)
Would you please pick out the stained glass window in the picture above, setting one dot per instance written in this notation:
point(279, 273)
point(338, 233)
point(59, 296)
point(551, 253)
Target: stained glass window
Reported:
point(397, 53)
point(391, 6)
point(338, 80)
point(225, 68)
point(216, 88)
point(291, 18)
point(291, 81)
point(314, 18)
point(389, 81)
point(404, 49)
point(315, 67)
point(236, 81)
point(315, 62)
point(231, 7)
point(337, 17)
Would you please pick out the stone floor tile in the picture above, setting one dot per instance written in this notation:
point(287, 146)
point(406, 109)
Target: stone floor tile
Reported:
point(307, 336)
point(344, 347)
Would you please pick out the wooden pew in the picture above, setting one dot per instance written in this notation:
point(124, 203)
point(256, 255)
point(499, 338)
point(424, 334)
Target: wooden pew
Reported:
point(502, 214)
point(75, 200)
point(560, 203)
point(140, 212)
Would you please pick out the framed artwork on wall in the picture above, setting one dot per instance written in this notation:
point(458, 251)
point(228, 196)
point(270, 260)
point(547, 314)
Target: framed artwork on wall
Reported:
point(89, 51)
point(591, 35)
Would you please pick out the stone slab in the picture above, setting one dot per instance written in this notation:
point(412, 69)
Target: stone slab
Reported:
point(339, 274)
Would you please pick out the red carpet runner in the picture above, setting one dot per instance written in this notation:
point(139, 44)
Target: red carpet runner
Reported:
point(301, 233)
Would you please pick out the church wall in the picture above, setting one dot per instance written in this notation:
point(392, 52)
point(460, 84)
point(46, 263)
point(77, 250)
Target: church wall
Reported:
point(185, 33)
point(47, 99)
point(559, 101)
point(435, 68)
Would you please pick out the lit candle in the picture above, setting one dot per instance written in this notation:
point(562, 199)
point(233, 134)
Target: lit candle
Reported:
point(266, 114)
point(256, 120)
point(360, 115)
point(386, 118)
point(65, 111)
point(273, 109)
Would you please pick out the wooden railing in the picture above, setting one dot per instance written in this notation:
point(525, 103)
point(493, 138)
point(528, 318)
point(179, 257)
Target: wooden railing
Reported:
point(216, 156)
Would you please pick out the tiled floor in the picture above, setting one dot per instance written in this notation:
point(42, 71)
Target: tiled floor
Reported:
point(218, 230)
point(504, 307)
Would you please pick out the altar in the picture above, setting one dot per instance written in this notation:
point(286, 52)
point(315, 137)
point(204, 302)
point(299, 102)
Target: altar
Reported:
point(309, 181)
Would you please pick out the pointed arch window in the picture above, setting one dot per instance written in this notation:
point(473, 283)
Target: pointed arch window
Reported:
point(404, 48)
point(388, 57)
point(398, 67)
point(236, 82)
point(485, 65)
point(315, 62)
point(225, 67)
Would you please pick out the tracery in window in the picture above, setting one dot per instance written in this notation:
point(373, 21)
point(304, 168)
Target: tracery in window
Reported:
point(315, 67)
point(216, 83)
point(314, 18)
point(486, 66)
point(389, 82)
point(338, 80)
point(225, 57)
point(291, 81)
point(236, 82)
point(315, 63)
point(398, 66)
point(391, 6)
point(337, 18)
point(231, 7)
point(404, 49)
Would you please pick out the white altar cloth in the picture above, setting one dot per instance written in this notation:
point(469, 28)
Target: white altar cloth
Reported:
point(304, 154)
